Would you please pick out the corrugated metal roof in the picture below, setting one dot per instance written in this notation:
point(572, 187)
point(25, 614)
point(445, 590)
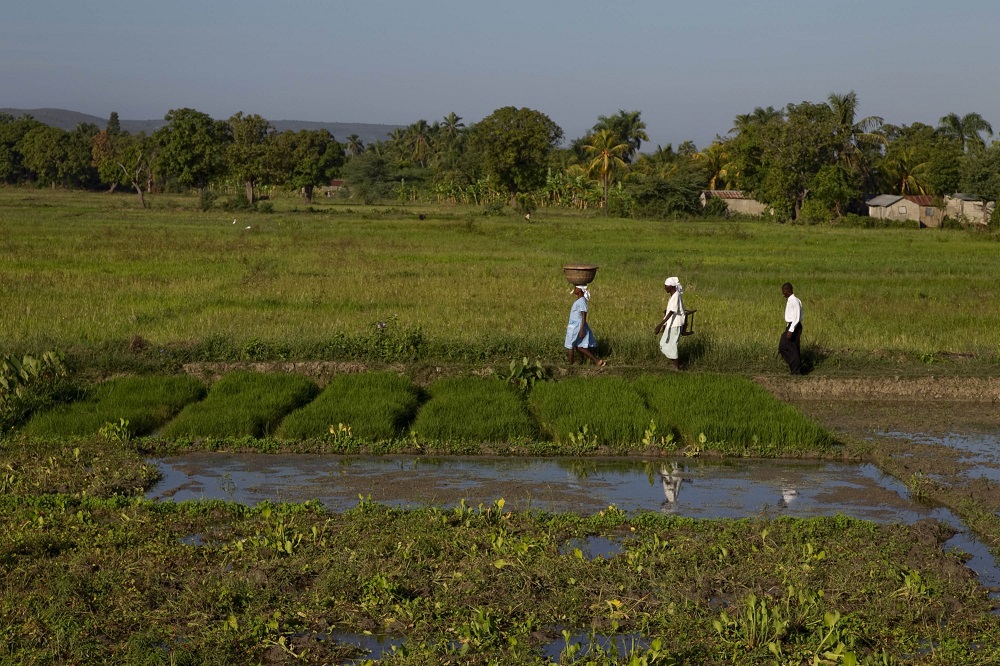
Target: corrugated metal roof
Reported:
point(966, 197)
point(726, 194)
point(883, 200)
point(920, 199)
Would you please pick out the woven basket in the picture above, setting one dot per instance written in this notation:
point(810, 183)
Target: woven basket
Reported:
point(580, 273)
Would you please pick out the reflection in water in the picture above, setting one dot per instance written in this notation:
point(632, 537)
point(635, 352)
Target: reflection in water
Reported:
point(671, 479)
point(788, 495)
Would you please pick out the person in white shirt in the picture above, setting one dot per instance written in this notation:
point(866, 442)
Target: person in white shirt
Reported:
point(788, 347)
point(673, 321)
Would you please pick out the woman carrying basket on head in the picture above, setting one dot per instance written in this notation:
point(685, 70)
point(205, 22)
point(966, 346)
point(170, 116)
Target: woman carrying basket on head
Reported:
point(673, 321)
point(579, 337)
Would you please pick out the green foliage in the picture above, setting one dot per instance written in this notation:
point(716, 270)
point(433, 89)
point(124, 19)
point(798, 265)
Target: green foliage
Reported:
point(732, 414)
point(523, 375)
point(374, 405)
point(28, 384)
point(243, 404)
point(138, 405)
point(607, 411)
point(474, 410)
point(191, 147)
point(514, 145)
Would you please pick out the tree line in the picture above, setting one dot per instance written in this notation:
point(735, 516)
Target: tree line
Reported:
point(807, 160)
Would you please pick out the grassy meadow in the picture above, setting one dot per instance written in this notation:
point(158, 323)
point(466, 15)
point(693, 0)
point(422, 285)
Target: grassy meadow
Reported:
point(113, 285)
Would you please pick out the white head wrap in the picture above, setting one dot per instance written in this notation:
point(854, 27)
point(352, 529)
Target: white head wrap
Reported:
point(675, 283)
point(586, 292)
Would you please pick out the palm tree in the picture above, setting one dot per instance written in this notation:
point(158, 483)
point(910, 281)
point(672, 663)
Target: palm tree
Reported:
point(628, 126)
point(606, 151)
point(760, 116)
point(968, 129)
point(859, 138)
point(355, 146)
point(715, 160)
point(904, 172)
point(451, 126)
point(418, 141)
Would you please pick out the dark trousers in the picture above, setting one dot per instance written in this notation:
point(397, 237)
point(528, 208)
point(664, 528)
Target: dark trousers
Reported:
point(789, 349)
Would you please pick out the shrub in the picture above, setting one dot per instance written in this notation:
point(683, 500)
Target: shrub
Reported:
point(243, 404)
point(474, 409)
point(375, 405)
point(609, 408)
point(28, 384)
point(145, 403)
point(732, 412)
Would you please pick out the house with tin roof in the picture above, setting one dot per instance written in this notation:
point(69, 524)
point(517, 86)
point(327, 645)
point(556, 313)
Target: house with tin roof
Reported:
point(736, 202)
point(917, 207)
point(969, 207)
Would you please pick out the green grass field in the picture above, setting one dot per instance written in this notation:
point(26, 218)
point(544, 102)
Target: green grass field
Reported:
point(91, 274)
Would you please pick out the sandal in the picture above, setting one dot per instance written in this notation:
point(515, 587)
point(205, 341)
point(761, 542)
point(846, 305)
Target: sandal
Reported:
point(601, 363)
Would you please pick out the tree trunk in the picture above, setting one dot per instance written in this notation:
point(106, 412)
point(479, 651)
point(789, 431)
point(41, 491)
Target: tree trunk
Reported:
point(138, 189)
point(309, 193)
point(249, 187)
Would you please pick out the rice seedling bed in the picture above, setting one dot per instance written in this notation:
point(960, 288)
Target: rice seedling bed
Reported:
point(729, 413)
point(586, 413)
point(472, 409)
point(138, 405)
point(243, 404)
point(373, 406)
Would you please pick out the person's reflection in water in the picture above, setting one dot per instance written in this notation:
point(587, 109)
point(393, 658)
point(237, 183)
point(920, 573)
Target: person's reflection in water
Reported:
point(671, 479)
point(788, 495)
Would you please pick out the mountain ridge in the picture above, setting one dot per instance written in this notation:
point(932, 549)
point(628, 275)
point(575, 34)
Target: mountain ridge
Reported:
point(68, 120)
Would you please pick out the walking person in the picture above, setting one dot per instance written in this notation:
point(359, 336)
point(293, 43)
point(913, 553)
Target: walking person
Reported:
point(673, 322)
point(579, 337)
point(788, 347)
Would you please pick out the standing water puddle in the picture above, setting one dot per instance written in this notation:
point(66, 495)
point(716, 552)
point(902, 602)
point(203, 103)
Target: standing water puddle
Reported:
point(687, 487)
point(980, 452)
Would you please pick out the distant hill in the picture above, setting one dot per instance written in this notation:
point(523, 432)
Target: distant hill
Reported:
point(68, 120)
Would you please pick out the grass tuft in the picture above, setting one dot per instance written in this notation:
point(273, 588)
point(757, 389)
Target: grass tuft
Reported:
point(604, 411)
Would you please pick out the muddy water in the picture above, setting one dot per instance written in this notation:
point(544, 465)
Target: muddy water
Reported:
point(685, 487)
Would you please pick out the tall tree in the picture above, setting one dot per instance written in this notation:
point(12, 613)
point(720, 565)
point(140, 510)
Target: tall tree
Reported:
point(192, 147)
point(12, 131)
point(606, 151)
point(860, 140)
point(249, 153)
point(968, 129)
point(309, 158)
point(514, 146)
point(629, 126)
point(418, 140)
point(123, 159)
point(355, 146)
point(114, 126)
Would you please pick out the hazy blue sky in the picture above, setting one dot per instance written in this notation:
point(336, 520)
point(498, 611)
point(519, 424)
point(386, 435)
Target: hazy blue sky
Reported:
point(689, 67)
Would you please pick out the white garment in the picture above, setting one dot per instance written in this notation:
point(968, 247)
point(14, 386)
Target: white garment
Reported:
point(793, 312)
point(668, 342)
point(676, 305)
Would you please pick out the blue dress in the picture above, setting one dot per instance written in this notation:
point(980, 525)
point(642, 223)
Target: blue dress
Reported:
point(573, 328)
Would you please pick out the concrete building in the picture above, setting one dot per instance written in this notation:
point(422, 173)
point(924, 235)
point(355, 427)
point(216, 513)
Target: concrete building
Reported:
point(736, 202)
point(917, 207)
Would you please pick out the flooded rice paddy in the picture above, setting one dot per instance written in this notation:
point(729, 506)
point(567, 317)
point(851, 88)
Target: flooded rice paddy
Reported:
point(691, 487)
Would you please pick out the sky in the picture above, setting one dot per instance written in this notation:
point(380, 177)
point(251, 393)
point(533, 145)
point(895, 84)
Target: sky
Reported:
point(689, 67)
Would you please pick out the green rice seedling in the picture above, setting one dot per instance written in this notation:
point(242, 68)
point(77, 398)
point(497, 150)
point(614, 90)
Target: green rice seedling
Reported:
point(139, 404)
point(243, 404)
point(474, 409)
point(374, 405)
point(606, 408)
point(732, 413)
